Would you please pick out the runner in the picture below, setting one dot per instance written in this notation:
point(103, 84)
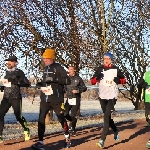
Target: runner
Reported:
point(108, 76)
point(144, 84)
point(73, 95)
point(14, 79)
point(52, 96)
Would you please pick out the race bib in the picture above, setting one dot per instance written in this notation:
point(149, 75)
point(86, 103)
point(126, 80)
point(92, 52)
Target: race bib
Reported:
point(148, 90)
point(108, 82)
point(47, 90)
point(4, 82)
point(72, 101)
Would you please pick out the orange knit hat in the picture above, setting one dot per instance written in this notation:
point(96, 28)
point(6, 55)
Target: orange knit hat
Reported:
point(49, 53)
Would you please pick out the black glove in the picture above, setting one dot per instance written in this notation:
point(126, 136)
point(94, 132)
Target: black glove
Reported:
point(2, 88)
point(142, 85)
point(51, 80)
point(39, 84)
point(100, 76)
point(116, 80)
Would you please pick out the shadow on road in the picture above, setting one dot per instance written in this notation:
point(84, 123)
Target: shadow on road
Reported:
point(86, 135)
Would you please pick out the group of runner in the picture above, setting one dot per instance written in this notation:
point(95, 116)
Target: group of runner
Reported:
point(57, 81)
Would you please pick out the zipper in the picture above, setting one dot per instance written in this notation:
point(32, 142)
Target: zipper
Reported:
point(57, 93)
point(46, 83)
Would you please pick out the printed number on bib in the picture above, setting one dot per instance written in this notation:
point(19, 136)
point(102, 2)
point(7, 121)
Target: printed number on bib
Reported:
point(72, 101)
point(148, 91)
point(47, 90)
point(108, 82)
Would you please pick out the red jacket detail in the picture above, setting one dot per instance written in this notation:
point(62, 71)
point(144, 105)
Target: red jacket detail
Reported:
point(94, 81)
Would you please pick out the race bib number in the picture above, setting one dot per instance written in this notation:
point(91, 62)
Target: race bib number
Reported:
point(148, 90)
point(108, 82)
point(47, 90)
point(72, 101)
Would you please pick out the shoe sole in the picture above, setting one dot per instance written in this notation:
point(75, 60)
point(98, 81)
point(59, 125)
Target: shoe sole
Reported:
point(98, 145)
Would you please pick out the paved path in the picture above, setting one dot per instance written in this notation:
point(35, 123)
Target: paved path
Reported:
point(133, 136)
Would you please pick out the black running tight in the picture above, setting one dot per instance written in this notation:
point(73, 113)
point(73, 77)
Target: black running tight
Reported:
point(17, 107)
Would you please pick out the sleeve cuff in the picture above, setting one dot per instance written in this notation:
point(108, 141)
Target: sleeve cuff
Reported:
point(94, 81)
point(123, 81)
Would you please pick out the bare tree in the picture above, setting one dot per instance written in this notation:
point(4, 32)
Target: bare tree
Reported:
point(82, 31)
point(132, 50)
point(120, 30)
point(143, 7)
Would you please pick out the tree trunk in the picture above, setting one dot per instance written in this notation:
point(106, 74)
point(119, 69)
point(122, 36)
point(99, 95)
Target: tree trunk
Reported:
point(139, 103)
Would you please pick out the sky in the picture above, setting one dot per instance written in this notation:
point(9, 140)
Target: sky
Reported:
point(30, 73)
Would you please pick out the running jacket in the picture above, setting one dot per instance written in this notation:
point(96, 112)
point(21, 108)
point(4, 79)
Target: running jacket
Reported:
point(76, 84)
point(145, 84)
point(17, 79)
point(108, 91)
point(56, 71)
